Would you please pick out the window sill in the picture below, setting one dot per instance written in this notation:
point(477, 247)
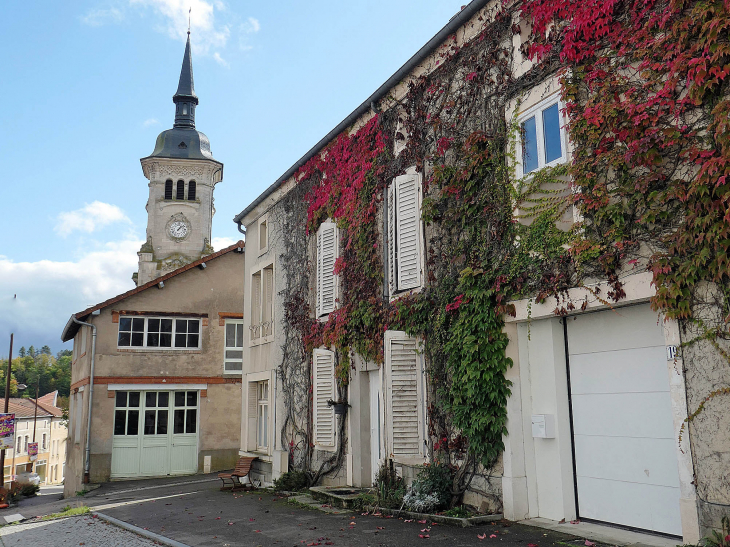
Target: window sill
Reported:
point(404, 293)
point(263, 456)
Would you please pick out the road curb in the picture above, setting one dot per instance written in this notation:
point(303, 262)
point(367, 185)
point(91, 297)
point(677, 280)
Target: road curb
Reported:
point(140, 531)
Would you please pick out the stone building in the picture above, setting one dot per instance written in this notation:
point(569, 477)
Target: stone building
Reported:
point(598, 397)
point(156, 371)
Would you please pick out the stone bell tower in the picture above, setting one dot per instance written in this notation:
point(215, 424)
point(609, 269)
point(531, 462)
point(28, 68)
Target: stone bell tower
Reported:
point(182, 175)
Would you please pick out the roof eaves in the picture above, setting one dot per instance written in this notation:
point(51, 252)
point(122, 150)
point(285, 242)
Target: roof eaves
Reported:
point(466, 13)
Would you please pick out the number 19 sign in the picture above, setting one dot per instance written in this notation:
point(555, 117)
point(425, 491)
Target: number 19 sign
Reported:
point(7, 431)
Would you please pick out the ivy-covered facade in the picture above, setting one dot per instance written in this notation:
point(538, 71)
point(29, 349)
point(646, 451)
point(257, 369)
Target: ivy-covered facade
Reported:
point(509, 260)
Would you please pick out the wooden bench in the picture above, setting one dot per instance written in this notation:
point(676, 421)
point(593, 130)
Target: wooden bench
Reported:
point(243, 469)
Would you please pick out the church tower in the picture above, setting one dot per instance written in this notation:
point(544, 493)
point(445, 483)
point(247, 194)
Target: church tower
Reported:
point(182, 175)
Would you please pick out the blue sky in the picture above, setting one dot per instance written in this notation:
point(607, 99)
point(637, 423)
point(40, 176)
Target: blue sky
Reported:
point(87, 86)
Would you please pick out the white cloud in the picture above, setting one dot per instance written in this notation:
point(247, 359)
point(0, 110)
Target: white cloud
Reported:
point(89, 218)
point(39, 297)
point(150, 122)
point(252, 25)
point(220, 60)
point(222, 242)
point(100, 16)
point(207, 34)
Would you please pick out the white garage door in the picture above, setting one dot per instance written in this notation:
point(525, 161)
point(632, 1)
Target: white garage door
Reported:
point(625, 448)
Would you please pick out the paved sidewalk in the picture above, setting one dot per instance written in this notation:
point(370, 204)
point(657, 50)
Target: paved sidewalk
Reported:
point(72, 531)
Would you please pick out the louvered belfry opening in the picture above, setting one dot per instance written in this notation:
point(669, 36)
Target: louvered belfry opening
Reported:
point(168, 189)
point(191, 190)
point(180, 190)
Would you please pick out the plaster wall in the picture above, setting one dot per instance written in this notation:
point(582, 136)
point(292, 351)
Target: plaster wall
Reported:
point(217, 288)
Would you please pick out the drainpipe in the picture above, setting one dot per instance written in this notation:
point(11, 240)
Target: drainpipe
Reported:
point(241, 228)
point(87, 449)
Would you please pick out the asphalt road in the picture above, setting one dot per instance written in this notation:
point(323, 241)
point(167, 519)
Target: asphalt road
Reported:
point(201, 515)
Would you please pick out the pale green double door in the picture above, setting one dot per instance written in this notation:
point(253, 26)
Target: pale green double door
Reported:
point(155, 433)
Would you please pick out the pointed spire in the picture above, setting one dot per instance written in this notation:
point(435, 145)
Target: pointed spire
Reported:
point(185, 98)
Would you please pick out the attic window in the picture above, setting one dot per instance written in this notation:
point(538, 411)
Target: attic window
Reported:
point(182, 145)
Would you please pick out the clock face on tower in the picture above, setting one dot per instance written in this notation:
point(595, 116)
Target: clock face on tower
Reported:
point(178, 227)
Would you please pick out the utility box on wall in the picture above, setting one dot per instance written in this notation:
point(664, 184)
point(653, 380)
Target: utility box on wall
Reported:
point(543, 426)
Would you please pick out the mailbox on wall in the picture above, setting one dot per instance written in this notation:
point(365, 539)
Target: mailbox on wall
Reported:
point(543, 426)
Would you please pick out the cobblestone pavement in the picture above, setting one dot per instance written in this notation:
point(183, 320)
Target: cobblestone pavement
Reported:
point(72, 531)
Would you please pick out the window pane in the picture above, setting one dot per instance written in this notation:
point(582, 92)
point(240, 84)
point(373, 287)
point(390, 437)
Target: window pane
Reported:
point(529, 145)
point(138, 324)
point(551, 130)
point(192, 398)
point(230, 335)
point(125, 323)
point(153, 340)
point(234, 354)
point(181, 325)
point(151, 399)
point(190, 420)
point(133, 422)
point(124, 339)
point(149, 422)
point(121, 399)
point(165, 325)
point(180, 340)
point(163, 398)
point(233, 366)
point(137, 338)
point(162, 422)
point(193, 325)
point(179, 398)
point(165, 340)
point(120, 417)
point(179, 419)
point(134, 398)
point(153, 325)
point(192, 340)
point(239, 335)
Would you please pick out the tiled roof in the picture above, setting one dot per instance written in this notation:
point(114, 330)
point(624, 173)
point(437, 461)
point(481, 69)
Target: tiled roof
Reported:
point(71, 328)
point(24, 408)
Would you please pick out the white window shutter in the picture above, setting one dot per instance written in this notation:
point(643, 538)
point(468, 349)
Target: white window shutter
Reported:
point(252, 411)
point(392, 262)
point(408, 231)
point(405, 398)
point(326, 280)
point(323, 379)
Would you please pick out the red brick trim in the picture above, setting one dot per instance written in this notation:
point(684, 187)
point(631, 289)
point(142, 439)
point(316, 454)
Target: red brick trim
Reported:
point(223, 315)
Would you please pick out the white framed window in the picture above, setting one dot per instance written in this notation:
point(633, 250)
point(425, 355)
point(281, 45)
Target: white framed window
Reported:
point(43, 442)
point(327, 253)
point(259, 408)
point(19, 448)
point(262, 304)
point(263, 231)
point(233, 351)
point(405, 401)
point(323, 390)
point(405, 233)
point(126, 412)
point(542, 140)
point(158, 333)
point(262, 415)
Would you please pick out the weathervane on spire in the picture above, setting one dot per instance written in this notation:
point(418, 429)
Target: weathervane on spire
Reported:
point(189, 12)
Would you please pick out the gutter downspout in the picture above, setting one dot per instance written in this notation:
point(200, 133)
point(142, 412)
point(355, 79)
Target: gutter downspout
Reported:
point(87, 448)
point(241, 228)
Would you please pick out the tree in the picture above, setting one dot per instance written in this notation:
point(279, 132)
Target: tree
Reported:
point(45, 350)
point(31, 352)
point(21, 352)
